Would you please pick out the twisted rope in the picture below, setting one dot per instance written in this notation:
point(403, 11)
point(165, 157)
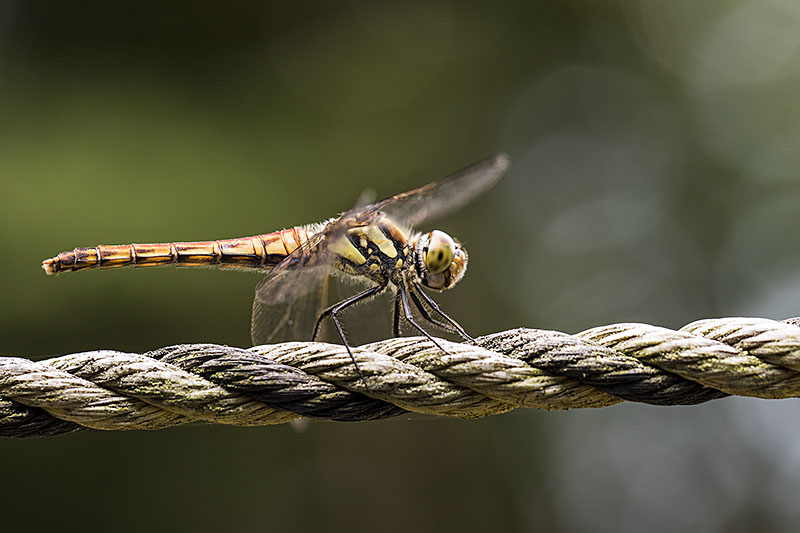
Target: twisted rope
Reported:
point(111, 390)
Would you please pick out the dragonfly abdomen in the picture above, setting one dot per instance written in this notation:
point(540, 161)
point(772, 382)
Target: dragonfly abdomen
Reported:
point(260, 252)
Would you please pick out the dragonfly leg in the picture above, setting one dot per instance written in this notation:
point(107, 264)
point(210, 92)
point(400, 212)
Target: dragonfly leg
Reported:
point(428, 300)
point(396, 316)
point(426, 314)
point(410, 317)
point(344, 304)
point(334, 310)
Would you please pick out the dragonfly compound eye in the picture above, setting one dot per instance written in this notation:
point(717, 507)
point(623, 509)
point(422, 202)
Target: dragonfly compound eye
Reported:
point(440, 253)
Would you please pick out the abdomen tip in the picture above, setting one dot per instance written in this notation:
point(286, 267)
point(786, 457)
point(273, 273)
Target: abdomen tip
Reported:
point(50, 266)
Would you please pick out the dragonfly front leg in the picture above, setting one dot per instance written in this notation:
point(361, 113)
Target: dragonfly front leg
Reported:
point(426, 314)
point(409, 316)
point(454, 326)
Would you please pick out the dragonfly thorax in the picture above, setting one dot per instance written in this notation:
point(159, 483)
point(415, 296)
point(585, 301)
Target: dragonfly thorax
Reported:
point(440, 262)
point(377, 249)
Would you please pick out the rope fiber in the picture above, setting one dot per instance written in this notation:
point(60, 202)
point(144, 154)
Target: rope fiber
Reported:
point(273, 384)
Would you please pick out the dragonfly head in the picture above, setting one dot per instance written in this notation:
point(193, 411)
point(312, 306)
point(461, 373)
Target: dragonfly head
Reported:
point(441, 261)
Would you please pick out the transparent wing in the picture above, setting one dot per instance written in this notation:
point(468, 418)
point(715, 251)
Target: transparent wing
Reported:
point(439, 198)
point(281, 315)
point(288, 299)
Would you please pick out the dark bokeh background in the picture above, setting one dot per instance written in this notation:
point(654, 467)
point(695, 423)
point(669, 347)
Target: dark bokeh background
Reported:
point(656, 151)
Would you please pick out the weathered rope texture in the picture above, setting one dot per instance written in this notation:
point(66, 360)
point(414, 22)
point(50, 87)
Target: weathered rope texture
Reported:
point(263, 385)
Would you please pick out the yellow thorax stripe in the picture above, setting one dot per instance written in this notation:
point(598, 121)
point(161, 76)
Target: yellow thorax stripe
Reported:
point(373, 233)
point(342, 247)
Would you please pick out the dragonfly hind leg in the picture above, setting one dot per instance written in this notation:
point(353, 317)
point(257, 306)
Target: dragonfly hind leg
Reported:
point(335, 309)
point(396, 315)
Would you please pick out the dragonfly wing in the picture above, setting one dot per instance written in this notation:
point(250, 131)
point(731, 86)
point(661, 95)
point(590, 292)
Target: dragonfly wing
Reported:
point(289, 297)
point(282, 316)
point(287, 303)
point(439, 198)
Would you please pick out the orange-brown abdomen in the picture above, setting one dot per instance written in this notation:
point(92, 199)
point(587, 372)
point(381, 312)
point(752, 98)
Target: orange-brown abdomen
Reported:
point(260, 252)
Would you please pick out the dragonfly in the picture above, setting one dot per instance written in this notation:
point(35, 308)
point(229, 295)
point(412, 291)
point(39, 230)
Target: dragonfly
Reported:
point(373, 245)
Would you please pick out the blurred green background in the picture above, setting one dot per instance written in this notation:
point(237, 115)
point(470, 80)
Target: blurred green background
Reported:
point(656, 155)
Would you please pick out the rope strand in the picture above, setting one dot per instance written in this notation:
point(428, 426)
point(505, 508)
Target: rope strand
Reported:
point(273, 384)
